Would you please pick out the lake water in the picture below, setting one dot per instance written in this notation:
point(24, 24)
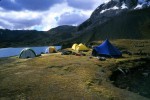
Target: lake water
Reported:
point(7, 52)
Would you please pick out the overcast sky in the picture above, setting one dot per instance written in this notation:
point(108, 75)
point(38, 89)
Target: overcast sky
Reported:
point(44, 14)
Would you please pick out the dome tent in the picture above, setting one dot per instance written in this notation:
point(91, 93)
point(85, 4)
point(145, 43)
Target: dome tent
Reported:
point(50, 49)
point(106, 49)
point(74, 46)
point(27, 53)
point(82, 47)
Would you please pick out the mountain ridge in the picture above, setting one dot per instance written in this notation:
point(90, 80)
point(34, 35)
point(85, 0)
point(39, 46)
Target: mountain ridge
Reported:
point(114, 19)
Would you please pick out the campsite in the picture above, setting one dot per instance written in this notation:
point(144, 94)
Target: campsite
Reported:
point(54, 76)
point(74, 49)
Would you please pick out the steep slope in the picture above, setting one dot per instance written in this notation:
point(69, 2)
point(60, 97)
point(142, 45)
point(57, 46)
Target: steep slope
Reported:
point(108, 10)
point(116, 20)
point(130, 25)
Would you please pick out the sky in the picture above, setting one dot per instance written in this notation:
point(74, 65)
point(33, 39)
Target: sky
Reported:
point(43, 15)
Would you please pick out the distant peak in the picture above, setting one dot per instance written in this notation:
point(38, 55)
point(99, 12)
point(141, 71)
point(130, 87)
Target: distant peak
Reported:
point(123, 4)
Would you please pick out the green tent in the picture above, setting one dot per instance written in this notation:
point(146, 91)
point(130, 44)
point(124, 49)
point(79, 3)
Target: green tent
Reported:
point(27, 53)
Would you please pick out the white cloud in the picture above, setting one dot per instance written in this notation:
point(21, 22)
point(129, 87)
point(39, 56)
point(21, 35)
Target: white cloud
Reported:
point(47, 19)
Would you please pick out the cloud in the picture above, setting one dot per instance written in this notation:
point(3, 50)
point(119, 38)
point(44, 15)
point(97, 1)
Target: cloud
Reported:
point(81, 4)
point(71, 18)
point(4, 24)
point(10, 5)
point(38, 4)
point(19, 24)
point(34, 5)
point(84, 4)
point(19, 20)
point(44, 14)
point(26, 23)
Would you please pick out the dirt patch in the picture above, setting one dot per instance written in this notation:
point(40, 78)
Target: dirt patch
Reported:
point(135, 79)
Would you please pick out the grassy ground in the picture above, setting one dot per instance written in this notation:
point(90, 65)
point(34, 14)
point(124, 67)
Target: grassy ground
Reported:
point(134, 46)
point(63, 77)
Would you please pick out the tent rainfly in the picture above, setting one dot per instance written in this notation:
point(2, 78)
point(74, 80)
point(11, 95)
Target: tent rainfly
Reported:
point(106, 49)
point(50, 49)
point(74, 46)
point(27, 53)
point(82, 47)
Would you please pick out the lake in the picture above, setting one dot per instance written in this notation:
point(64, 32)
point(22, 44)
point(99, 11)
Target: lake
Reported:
point(8, 52)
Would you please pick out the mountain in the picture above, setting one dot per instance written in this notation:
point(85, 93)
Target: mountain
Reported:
point(9, 38)
point(116, 19)
point(106, 11)
point(61, 33)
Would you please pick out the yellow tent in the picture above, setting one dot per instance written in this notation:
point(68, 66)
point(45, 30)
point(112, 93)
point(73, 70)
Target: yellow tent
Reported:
point(74, 46)
point(82, 47)
point(51, 49)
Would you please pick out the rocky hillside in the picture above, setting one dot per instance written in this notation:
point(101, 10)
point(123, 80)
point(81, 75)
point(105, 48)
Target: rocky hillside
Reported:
point(129, 25)
point(111, 9)
point(116, 19)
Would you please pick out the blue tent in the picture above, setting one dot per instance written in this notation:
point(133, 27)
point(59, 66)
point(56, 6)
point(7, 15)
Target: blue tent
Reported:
point(106, 49)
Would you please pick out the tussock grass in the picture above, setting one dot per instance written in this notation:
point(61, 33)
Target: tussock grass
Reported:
point(134, 46)
point(63, 77)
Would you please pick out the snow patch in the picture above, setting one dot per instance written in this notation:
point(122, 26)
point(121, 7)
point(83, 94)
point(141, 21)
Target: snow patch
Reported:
point(113, 8)
point(138, 6)
point(106, 1)
point(124, 6)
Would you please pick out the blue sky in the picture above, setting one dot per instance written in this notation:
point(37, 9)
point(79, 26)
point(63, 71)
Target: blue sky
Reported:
point(44, 14)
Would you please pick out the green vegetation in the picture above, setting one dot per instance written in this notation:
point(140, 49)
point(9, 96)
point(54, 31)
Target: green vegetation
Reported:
point(20, 38)
point(65, 77)
point(134, 46)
